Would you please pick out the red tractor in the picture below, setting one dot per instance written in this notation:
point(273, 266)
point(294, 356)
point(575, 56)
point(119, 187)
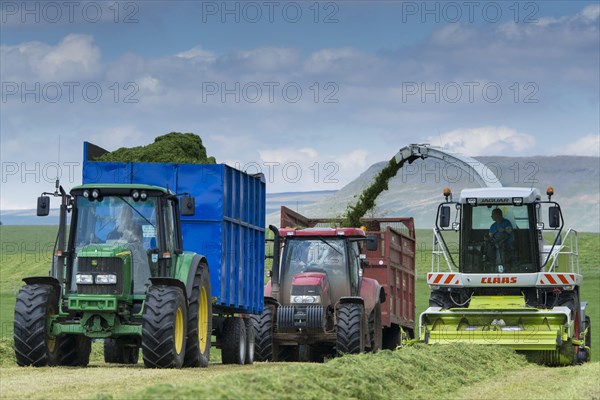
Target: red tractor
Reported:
point(319, 301)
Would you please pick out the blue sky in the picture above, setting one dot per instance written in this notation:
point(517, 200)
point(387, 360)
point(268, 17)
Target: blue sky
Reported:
point(311, 93)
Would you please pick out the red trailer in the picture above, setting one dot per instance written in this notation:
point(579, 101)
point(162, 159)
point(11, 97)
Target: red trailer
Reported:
point(330, 293)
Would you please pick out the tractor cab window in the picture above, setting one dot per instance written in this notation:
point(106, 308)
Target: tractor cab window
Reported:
point(497, 239)
point(115, 226)
point(326, 255)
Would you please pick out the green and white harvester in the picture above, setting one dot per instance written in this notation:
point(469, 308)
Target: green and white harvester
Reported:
point(506, 272)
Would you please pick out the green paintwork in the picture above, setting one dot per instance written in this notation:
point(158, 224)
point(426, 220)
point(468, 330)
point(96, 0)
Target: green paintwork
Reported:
point(500, 320)
point(183, 266)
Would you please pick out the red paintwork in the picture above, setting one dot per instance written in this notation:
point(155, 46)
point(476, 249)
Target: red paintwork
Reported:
point(369, 291)
point(268, 289)
point(309, 279)
point(343, 232)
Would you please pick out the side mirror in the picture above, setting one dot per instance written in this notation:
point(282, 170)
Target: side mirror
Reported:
point(444, 216)
point(554, 217)
point(372, 242)
point(188, 206)
point(43, 206)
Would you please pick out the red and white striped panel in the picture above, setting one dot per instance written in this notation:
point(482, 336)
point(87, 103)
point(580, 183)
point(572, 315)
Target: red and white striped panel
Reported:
point(443, 279)
point(550, 279)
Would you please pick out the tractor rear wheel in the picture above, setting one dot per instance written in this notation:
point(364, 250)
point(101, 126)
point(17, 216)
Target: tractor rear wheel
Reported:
point(164, 327)
point(350, 335)
point(263, 334)
point(375, 331)
point(249, 340)
point(233, 350)
point(115, 351)
point(33, 344)
point(74, 351)
point(199, 323)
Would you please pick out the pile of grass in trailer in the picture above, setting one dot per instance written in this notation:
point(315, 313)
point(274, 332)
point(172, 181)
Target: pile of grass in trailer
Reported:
point(415, 372)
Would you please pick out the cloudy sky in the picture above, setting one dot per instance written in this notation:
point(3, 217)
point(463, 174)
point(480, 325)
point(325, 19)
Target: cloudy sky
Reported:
point(310, 93)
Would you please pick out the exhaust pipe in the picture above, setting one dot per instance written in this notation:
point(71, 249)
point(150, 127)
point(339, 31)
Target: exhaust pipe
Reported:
point(275, 268)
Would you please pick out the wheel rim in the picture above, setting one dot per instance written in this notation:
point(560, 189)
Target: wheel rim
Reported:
point(178, 331)
point(203, 321)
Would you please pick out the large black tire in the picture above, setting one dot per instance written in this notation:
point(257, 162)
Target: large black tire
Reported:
point(391, 337)
point(233, 349)
point(115, 351)
point(164, 327)
point(199, 321)
point(350, 337)
point(249, 341)
point(375, 330)
point(440, 299)
point(263, 334)
point(34, 305)
point(74, 351)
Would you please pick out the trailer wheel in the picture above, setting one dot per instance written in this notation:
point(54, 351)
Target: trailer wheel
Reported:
point(375, 331)
point(74, 351)
point(263, 334)
point(164, 327)
point(350, 329)
point(234, 341)
point(249, 341)
point(199, 321)
point(115, 351)
point(33, 345)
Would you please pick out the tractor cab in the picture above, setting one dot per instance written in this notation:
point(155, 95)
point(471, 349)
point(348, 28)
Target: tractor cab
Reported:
point(320, 265)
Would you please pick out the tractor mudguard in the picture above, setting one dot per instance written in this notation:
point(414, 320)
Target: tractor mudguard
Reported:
point(43, 280)
point(169, 282)
point(350, 300)
point(192, 268)
point(372, 293)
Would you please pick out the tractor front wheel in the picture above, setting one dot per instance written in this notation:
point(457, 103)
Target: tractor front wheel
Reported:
point(164, 327)
point(199, 321)
point(350, 331)
point(33, 344)
point(74, 351)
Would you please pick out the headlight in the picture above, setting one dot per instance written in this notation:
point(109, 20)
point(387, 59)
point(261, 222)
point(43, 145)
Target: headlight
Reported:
point(106, 279)
point(82, 279)
point(305, 299)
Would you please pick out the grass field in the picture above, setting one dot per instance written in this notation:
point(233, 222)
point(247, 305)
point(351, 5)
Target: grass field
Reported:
point(455, 371)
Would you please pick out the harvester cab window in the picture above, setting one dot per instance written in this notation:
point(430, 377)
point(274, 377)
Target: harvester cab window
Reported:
point(497, 239)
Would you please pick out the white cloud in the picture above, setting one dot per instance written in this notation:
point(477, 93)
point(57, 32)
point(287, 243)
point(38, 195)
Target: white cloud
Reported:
point(120, 136)
point(588, 145)
point(198, 54)
point(483, 141)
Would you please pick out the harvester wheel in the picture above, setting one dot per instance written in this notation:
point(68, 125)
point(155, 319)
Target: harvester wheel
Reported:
point(263, 334)
point(350, 329)
point(33, 346)
point(584, 355)
point(249, 341)
point(74, 351)
point(164, 327)
point(440, 299)
point(115, 351)
point(234, 341)
point(375, 331)
point(199, 321)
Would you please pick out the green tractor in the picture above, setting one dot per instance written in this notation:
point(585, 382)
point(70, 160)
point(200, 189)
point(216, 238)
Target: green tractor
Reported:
point(118, 274)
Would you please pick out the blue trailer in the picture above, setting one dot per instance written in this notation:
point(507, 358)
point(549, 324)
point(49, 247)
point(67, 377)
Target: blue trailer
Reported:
point(160, 256)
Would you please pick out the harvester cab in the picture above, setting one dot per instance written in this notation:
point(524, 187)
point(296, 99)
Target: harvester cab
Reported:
point(505, 272)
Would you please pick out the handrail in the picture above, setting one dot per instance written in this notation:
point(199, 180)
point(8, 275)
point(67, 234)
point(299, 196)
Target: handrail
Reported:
point(572, 253)
point(438, 249)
